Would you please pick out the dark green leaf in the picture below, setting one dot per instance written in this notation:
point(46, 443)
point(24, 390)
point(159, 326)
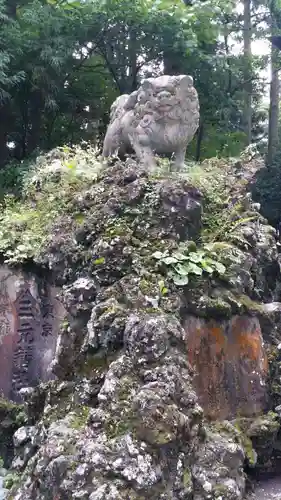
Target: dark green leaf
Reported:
point(169, 260)
point(180, 280)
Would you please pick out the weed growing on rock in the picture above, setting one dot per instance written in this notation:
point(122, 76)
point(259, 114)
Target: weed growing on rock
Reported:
point(12, 479)
point(48, 192)
point(80, 418)
point(183, 263)
point(224, 185)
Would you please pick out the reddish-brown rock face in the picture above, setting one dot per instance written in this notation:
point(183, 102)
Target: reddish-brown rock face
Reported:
point(29, 322)
point(230, 363)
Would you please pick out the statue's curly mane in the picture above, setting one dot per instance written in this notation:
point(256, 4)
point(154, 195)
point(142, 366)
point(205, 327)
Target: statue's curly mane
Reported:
point(177, 103)
point(118, 107)
point(166, 101)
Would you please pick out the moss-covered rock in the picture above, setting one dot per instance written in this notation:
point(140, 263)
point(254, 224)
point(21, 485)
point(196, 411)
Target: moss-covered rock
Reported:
point(258, 437)
point(122, 420)
point(12, 416)
point(218, 468)
point(263, 433)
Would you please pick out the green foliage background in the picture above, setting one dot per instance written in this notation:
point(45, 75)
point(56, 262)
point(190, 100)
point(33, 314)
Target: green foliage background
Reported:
point(63, 62)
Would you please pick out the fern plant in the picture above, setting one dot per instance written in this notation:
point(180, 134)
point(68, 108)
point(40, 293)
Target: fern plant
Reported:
point(48, 189)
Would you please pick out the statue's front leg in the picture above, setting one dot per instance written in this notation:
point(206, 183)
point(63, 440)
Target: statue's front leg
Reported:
point(141, 145)
point(177, 164)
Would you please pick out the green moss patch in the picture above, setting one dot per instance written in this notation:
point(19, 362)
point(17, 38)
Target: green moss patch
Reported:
point(80, 417)
point(12, 416)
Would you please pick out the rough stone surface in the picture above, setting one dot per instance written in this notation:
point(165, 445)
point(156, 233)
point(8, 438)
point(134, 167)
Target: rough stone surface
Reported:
point(162, 116)
point(79, 297)
point(144, 438)
point(218, 469)
point(123, 420)
point(12, 417)
point(119, 436)
point(263, 433)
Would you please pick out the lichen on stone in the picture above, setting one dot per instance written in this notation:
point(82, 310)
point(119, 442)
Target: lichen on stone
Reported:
point(12, 417)
point(122, 420)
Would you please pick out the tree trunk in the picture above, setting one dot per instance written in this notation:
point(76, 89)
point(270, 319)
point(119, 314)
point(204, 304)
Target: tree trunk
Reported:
point(273, 118)
point(247, 111)
point(199, 141)
point(11, 8)
point(273, 132)
point(172, 63)
point(133, 67)
point(35, 121)
point(5, 122)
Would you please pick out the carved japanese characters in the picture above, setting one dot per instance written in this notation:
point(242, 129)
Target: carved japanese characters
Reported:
point(161, 117)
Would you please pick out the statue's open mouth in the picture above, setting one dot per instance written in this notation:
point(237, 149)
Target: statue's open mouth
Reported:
point(165, 107)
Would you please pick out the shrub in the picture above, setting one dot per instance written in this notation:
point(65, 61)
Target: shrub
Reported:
point(47, 192)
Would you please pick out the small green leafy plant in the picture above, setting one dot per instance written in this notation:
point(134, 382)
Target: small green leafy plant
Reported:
point(12, 479)
point(162, 288)
point(183, 263)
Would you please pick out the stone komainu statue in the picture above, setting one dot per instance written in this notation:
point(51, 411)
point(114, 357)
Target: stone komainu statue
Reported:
point(162, 116)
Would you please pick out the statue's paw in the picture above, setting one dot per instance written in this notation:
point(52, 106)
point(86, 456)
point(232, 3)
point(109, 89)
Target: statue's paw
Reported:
point(177, 167)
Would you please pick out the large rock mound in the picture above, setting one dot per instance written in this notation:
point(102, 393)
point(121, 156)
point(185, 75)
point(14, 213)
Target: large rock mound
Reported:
point(122, 419)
